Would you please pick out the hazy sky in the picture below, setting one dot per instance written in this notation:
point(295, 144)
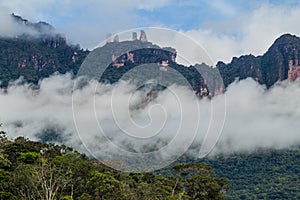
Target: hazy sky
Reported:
point(225, 28)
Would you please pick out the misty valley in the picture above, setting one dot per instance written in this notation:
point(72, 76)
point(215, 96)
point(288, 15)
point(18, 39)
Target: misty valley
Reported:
point(132, 119)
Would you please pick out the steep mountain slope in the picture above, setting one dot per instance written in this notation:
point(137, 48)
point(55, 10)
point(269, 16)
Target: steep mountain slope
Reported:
point(40, 52)
point(37, 54)
point(280, 62)
point(118, 60)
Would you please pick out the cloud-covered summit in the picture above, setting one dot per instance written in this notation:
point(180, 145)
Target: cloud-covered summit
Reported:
point(14, 26)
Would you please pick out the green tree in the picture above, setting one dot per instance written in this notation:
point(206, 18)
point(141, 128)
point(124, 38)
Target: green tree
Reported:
point(104, 186)
point(200, 182)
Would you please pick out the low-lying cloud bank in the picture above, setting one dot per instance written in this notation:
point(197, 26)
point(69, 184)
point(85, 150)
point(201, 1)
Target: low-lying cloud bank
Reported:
point(260, 118)
point(255, 118)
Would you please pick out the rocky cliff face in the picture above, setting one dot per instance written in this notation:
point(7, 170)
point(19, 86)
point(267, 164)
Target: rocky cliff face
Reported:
point(241, 68)
point(143, 56)
point(36, 59)
point(38, 55)
point(280, 62)
point(294, 69)
point(281, 58)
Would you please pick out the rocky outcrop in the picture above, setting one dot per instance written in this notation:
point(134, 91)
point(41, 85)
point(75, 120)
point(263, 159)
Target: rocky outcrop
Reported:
point(294, 69)
point(116, 38)
point(108, 38)
point(280, 57)
point(143, 36)
point(36, 56)
point(241, 68)
point(134, 36)
point(142, 56)
point(280, 62)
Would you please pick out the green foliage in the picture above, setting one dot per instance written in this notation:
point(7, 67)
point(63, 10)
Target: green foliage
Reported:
point(200, 181)
point(264, 174)
point(85, 196)
point(26, 172)
point(34, 59)
point(4, 162)
point(30, 157)
point(35, 170)
point(66, 198)
point(7, 196)
point(105, 186)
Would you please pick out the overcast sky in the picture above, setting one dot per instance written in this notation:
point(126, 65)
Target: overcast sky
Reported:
point(224, 28)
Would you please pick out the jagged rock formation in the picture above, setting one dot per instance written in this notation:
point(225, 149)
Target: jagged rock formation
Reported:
point(142, 56)
point(108, 38)
point(143, 36)
point(116, 38)
point(280, 62)
point(276, 62)
point(294, 69)
point(134, 36)
point(120, 55)
point(158, 63)
point(241, 68)
point(19, 19)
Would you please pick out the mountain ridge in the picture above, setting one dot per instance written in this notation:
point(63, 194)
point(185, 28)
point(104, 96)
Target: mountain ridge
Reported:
point(35, 58)
point(278, 63)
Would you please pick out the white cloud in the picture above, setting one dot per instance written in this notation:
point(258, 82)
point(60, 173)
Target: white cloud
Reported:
point(247, 33)
point(218, 47)
point(256, 117)
point(83, 22)
point(224, 7)
point(151, 4)
point(243, 31)
point(8, 28)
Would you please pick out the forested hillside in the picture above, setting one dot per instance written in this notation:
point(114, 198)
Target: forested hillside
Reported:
point(36, 52)
point(34, 59)
point(34, 170)
point(260, 174)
